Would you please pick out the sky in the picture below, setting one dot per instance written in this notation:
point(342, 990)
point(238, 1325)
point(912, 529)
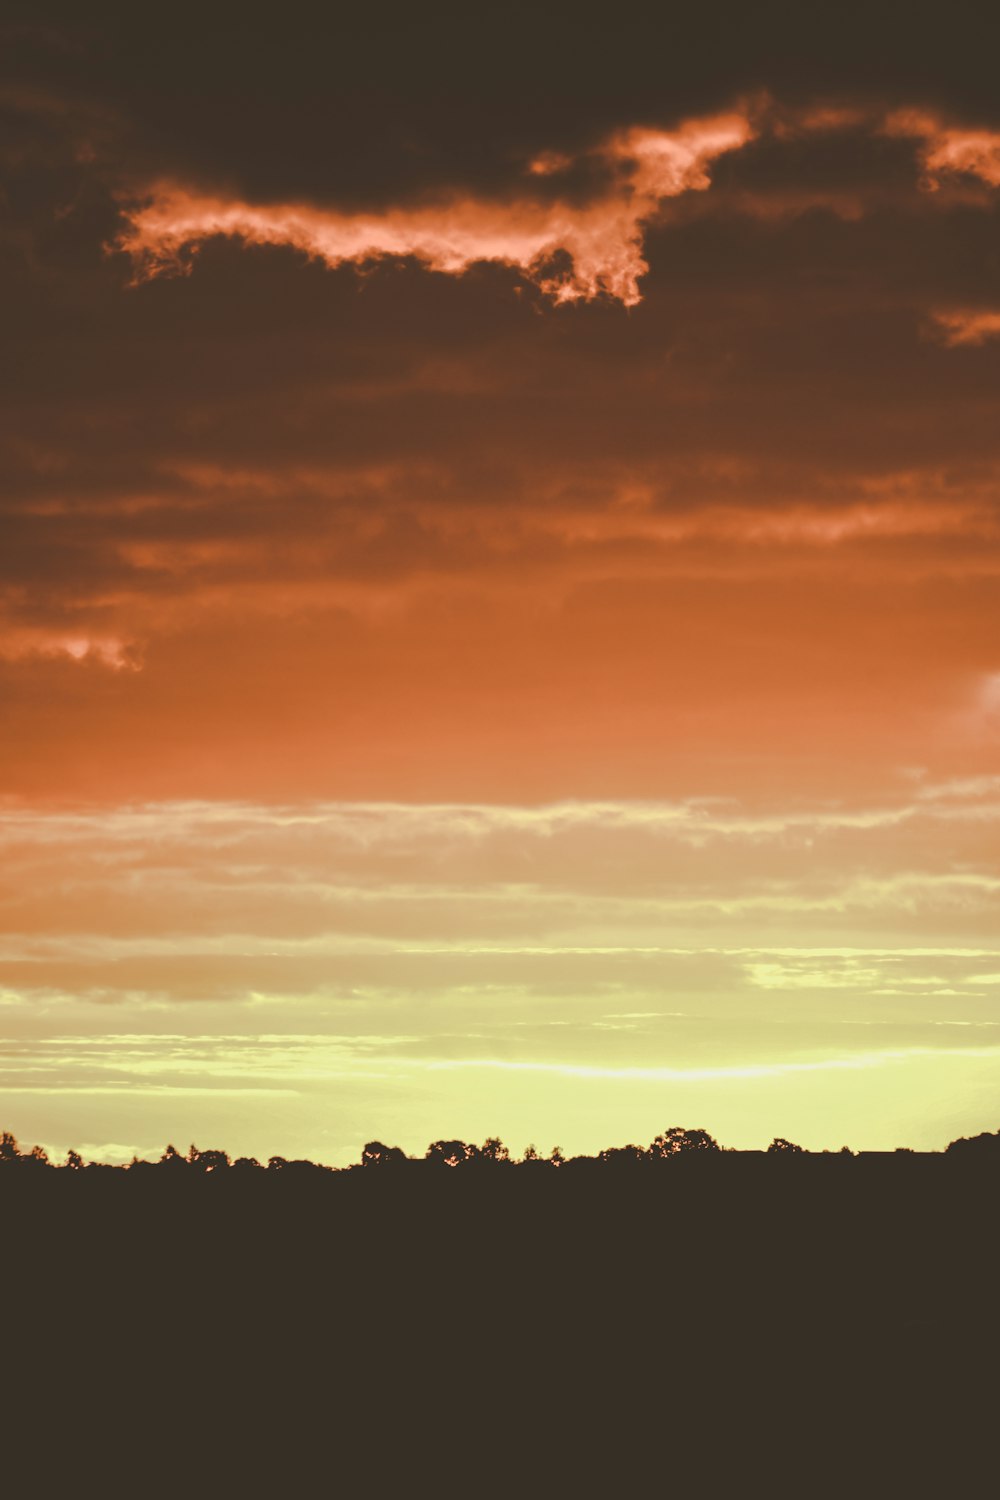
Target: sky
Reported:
point(499, 555)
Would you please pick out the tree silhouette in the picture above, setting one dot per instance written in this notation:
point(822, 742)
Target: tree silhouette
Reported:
point(12, 1155)
point(677, 1141)
point(493, 1151)
point(209, 1161)
point(450, 1153)
point(377, 1154)
point(979, 1147)
point(624, 1156)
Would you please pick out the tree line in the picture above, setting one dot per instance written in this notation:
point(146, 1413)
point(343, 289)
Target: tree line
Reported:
point(675, 1142)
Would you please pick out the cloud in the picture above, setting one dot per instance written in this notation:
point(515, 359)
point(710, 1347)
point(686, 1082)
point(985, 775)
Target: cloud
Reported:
point(316, 904)
point(603, 239)
point(400, 827)
point(967, 789)
point(114, 1153)
point(572, 248)
point(19, 643)
point(967, 326)
point(949, 150)
point(700, 1075)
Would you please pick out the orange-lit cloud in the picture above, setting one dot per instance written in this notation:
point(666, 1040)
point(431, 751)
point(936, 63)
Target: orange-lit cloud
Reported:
point(603, 239)
point(19, 643)
point(949, 149)
point(968, 326)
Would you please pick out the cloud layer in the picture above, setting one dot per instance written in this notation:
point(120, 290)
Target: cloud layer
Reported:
point(433, 958)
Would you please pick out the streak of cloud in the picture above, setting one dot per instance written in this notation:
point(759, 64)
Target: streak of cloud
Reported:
point(603, 239)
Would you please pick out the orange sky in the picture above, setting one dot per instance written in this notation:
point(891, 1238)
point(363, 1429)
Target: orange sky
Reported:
point(498, 615)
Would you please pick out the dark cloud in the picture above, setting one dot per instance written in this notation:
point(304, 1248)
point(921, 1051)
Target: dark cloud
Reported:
point(221, 486)
point(356, 104)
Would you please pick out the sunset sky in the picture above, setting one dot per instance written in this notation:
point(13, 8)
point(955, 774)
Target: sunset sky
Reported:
point(499, 557)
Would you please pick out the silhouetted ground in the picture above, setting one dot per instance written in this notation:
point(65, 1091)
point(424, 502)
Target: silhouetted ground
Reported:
point(720, 1324)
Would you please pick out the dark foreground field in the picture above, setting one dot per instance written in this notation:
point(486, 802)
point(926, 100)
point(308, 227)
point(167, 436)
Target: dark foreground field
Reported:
point(722, 1326)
